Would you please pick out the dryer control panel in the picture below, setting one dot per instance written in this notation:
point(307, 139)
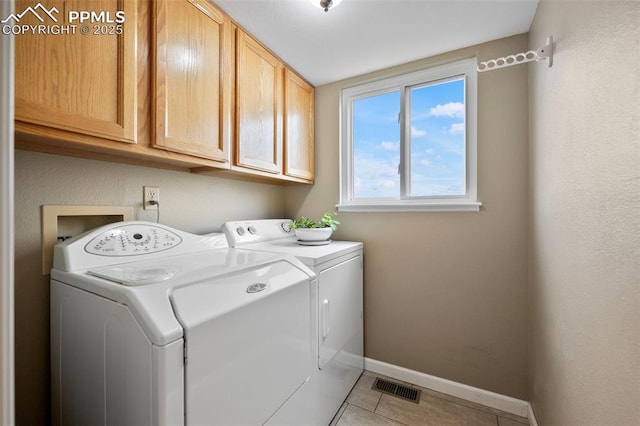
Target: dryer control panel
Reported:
point(245, 232)
point(130, 240)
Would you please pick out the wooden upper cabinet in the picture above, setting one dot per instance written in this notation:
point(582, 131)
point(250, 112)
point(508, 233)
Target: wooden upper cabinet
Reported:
point(298, 127)
point(76, 82)
point(193, 80)
point(259, 99)
point(176, 83)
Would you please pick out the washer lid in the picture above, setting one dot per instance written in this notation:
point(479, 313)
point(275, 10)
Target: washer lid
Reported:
point(133, 275)
point(205, 300)
point(248, 337)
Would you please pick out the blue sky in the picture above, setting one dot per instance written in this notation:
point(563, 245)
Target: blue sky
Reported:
point(437, 142)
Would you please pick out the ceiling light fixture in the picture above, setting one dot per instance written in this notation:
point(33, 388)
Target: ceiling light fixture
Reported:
point(325, 4)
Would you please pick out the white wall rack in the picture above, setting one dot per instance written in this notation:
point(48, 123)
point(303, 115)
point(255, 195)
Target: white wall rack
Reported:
point(541, 54)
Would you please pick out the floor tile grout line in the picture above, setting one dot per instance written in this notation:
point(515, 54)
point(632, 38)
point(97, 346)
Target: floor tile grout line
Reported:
point(496, 416)
point(451, 399)
point(516, 421)
point(470, 404)
point(377, 403)
point(342, 414)
point(372, 412)
point(388, 418)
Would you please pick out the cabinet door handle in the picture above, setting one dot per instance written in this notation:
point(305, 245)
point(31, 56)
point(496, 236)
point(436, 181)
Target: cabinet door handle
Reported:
point(326, 325)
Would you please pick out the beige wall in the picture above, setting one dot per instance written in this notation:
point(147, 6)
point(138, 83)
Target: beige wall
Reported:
point(585, 217)
point(445, 293)
point(189, 202)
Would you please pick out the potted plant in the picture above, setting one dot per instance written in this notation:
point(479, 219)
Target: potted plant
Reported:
point(308, 230)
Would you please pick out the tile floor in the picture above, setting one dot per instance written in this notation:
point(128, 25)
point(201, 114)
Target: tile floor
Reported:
point(367, 407)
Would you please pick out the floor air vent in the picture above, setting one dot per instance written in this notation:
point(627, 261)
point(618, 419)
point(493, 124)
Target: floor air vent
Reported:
point(396, 389)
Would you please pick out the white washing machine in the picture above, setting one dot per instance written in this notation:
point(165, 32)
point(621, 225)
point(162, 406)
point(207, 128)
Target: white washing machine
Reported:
point(154, 326)
point(337, 313)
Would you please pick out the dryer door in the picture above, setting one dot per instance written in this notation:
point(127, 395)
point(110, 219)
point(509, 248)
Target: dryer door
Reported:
point(340, 314)
point(248, 343)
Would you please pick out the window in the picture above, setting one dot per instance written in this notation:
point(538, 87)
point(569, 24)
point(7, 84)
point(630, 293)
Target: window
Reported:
point(409, 142)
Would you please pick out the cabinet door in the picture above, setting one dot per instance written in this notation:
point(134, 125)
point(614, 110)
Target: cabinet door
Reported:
point(192, 82)
point(258, 107)
point(298, 127)
point(77, 82)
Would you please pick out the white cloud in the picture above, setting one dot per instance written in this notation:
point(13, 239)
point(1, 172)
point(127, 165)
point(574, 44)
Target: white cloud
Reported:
point(425, 162)
point(456, 128)
point(375, 177)
point(452, 109)
point(416, 133)
point(388, 146)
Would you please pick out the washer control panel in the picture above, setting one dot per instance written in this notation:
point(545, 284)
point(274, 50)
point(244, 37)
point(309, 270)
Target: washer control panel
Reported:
point(130, 240)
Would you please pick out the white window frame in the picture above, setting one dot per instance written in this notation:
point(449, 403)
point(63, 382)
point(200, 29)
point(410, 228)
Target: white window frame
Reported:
point(403, 83)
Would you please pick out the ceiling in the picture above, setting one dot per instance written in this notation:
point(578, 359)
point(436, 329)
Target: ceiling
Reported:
point(359, 36)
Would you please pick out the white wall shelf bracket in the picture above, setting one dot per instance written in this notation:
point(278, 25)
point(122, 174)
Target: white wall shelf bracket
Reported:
point(545, 53)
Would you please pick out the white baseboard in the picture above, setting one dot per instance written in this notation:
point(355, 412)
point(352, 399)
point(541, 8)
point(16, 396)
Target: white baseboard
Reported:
point(470, 393)
point(532, 417)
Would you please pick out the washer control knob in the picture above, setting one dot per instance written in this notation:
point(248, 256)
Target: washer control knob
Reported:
point(252, 229)
point(240, 230)
point(286, 226)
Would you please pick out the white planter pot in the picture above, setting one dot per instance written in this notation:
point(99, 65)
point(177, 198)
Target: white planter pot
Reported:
point(313, 234)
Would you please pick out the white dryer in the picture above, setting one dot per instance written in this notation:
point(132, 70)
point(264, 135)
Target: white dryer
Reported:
point(154, 326)
point(337, 313)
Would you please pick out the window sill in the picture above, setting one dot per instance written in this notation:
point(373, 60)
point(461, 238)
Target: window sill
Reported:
point(466, 206)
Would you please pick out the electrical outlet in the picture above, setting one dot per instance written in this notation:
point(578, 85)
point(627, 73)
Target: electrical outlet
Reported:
point(150, 193)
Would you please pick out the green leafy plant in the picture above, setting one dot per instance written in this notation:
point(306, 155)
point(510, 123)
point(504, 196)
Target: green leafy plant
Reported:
point(303, 222)
point(328, 221)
